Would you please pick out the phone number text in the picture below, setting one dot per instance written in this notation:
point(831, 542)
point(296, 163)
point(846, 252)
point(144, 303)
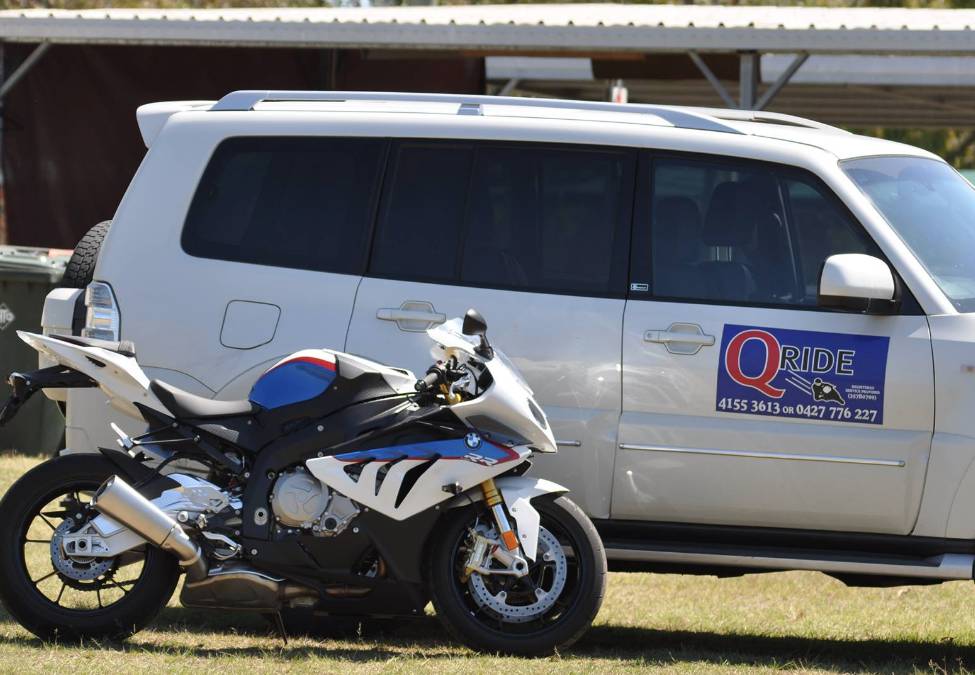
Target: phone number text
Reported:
point(812, 410)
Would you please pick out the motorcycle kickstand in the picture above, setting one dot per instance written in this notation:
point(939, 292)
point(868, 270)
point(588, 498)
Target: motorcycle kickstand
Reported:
point(279, 625)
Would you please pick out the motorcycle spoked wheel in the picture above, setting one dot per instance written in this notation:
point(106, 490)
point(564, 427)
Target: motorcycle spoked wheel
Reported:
point(578, 572)
point(71, 599)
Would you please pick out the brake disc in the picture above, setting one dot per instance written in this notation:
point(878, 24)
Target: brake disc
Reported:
point(511, 606)
point(76, 567)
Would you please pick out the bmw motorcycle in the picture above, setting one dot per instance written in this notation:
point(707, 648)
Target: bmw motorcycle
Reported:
point(341, 486)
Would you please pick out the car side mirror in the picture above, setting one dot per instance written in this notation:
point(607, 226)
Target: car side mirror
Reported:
point(474, 324)
point(858, 282)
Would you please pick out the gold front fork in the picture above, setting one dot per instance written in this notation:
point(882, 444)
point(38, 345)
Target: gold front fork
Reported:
point(451, 398)
point(494, 502)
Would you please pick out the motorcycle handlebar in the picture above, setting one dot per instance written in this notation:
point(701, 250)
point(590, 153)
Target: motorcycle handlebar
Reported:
point(430, 380)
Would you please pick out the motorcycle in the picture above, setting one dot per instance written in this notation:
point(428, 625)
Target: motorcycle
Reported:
point(341, 486)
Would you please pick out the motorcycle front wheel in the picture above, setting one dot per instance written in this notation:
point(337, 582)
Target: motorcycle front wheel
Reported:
point(547, 610)
point(59, 597)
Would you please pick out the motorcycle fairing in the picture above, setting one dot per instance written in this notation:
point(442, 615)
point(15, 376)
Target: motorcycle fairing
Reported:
point(484, 452)
point(126, 383)
point(309, 373)
point(334, 433)
point(401, 543)
point(299, 377)
point(399, 486)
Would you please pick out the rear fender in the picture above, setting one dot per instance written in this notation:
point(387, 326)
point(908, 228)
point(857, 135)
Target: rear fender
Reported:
point(118, 376)
point(518, 493)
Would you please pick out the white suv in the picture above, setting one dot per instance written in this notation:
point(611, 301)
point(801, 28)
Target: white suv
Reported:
point(754, 335)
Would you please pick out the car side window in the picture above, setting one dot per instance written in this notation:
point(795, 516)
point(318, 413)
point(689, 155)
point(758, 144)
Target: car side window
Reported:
point(523, 217)
point(743, 232)
point(420, 222)
point(546, 220)
point(304, 203)
point(822, 228)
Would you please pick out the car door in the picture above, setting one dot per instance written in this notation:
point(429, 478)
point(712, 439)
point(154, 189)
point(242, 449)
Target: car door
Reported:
point(743, 402)
point(533, 236)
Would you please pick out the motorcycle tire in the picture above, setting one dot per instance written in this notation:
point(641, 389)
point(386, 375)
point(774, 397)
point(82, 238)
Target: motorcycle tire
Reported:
point(21, 594)
point(577, 605)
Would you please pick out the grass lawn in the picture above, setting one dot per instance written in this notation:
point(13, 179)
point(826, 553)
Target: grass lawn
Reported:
point(788, 621)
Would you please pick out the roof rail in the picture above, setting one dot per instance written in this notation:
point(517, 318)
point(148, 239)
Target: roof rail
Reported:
point(763, 116)
point(679, 117)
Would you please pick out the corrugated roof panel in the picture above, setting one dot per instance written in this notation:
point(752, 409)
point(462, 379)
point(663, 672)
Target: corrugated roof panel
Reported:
point(604, 27)
point(760, 17)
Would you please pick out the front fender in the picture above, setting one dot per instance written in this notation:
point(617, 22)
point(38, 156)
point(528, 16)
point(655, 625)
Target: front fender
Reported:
point(517, 492)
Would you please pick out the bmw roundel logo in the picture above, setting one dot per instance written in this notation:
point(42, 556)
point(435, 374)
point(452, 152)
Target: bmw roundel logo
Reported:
point(472, 440)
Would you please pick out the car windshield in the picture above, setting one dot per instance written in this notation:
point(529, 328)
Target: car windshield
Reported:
point(932, 208)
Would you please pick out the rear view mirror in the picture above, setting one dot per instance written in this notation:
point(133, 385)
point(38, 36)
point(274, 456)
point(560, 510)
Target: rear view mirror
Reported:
point(474, 323)
point(857, 281)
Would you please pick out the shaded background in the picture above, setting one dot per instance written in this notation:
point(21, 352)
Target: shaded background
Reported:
point(71, 142)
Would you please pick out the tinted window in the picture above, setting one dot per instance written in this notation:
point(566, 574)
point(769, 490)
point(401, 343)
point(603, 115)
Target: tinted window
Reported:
point(423, 212)
point(822, 229)
point(545, 219)
point(521, 217)
point(746, 233)
point(305, 203)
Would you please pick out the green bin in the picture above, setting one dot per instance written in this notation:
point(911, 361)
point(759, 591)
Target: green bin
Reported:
point(26, 277)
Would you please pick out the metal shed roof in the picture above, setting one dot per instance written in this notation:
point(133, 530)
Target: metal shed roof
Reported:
point(853, 89)
point(534, 28)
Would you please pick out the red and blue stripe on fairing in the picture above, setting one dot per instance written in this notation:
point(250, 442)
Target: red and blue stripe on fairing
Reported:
point(298, 378)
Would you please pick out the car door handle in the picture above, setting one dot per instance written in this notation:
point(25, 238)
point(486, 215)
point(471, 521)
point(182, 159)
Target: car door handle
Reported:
point(681, 338)
point(667, 337)
point(390, 314)
point(413, 316)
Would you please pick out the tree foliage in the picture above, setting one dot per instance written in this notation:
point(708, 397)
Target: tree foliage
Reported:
point(957, 146)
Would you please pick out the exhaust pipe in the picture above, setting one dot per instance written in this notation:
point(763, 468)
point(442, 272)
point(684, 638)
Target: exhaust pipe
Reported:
point(120, 501)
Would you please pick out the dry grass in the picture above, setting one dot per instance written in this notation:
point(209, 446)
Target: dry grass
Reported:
point(791, 621)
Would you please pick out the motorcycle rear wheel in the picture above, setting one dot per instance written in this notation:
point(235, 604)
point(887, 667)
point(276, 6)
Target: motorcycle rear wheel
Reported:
point(95, 600)
point(581, 594)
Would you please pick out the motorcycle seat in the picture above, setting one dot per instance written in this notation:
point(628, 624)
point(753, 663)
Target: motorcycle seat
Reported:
point(185, 405)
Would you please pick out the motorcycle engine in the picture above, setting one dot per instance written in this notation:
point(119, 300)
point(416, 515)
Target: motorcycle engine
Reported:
point(298, 499)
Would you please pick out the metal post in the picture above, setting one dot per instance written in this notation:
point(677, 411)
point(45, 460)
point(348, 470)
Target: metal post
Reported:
point(23, 68)
point(509, 87)
point(748, 80)
point(713, 79)
point(782, 81)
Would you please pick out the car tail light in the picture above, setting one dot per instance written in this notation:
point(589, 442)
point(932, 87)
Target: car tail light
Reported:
point(102, 316)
